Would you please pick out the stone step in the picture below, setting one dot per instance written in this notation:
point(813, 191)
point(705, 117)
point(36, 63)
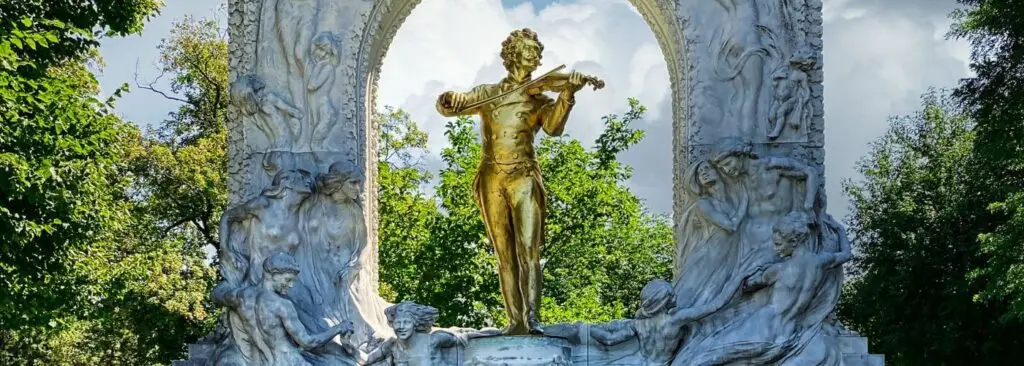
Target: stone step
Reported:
point(853, 344)
point(863, 359)
point(189, 362)
point(201, 350)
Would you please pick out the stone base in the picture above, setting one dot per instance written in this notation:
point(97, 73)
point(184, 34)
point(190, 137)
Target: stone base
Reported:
point(518, 351)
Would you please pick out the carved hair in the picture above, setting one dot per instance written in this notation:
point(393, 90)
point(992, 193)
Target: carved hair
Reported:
point(336, 175)
point(328, 39)
point(732, 146)
point(423, 316)
point(280, 263)
point(655, 297)
point(794, 227)
point(244, 93)
point(280, 182)
point(510, 47)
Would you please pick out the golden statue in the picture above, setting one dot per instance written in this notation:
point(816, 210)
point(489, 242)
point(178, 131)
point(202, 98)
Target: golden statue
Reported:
point(508, 186)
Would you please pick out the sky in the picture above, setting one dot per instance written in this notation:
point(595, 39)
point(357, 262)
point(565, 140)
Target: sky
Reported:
point(879, 57)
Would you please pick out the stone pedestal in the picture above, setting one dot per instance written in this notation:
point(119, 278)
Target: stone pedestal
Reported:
point(518, 351)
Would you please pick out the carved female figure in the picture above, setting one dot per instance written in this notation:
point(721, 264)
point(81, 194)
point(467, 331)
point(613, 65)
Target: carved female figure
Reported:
point(708, 255)
point(326, 59)
point(337, 232)
point(273, 222)
point(740, 59)
point(272, 115)
point(417, 343)
point(792, 93)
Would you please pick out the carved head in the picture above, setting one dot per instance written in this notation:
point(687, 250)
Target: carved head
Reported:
point(280, 270)
point(730, 156)
point(346, 179)
point(247, 93)
point(790, 232)
point(325, 48)
point(295, 180)
point(655, 298)
point(407, 318)
point(701, 178)
point(521, 50)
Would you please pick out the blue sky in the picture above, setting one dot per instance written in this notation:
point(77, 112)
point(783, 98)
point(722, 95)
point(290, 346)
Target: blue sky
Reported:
point(880, 56)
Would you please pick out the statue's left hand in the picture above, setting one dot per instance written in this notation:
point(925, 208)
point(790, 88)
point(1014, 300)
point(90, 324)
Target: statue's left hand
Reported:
point(576, 81)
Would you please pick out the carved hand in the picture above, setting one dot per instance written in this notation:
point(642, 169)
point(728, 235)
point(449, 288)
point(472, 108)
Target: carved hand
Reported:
point(576, 81)
point(344, 328)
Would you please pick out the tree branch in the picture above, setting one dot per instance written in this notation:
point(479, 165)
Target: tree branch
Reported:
point(151, 88)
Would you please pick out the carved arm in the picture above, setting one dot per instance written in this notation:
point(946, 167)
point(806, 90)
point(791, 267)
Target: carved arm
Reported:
point(719, 218)
point(321, 73)
point(277, 103)
point(298, 332)
point(845, 253)
point(378, 354)
point(796, 169)
point(615, 336)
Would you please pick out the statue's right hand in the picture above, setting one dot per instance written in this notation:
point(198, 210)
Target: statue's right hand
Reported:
point(453, 100)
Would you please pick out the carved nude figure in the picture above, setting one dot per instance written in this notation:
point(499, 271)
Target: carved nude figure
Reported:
point(659, 325)
point(774, 187)
point(273, 224)
point(740, 59)
point(792, 94)
point(294, 23)
point(272, 115)
point(416, 342)
point(779, 331)
point(325, 57)
point(283, 335)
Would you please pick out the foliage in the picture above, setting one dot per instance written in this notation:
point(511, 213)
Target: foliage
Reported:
point(995, 100)
point(91, 276)
point(915, 225)
point(601, 248)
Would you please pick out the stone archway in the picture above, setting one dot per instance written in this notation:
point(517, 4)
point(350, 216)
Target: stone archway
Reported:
point(724, 57)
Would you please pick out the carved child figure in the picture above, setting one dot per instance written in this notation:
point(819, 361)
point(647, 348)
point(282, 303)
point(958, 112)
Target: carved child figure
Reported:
point(275, 117)
point(659, 326)
point(416, 343)
point(326, 58)
point(282, 337)
point(792, 93)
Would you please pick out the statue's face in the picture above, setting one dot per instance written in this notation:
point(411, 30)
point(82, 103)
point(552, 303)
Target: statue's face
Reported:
point(730, 165)
point(301, 183)
point(708, 176)
point(352, 188)
point(783, 246)
point(529, 55)
point(404, 327)
point(282, 282)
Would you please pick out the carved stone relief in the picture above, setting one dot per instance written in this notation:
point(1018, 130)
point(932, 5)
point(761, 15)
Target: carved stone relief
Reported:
point(754, 244)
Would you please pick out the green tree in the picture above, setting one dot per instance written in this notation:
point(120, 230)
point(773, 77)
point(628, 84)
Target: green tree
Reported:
point(995, 100)
point(915, 225)
point(602, 246)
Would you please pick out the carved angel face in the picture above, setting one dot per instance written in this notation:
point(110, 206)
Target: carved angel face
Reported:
point(405, 326)
point(730, 165)
point(352, 188)
point(282, 282)
point(707, 175)
point(783, 245)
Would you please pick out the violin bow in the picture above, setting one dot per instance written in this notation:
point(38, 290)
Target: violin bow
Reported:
point(513, 90)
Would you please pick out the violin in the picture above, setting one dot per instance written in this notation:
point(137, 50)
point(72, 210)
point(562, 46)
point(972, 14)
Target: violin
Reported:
point(552, 81)
point(558, 82)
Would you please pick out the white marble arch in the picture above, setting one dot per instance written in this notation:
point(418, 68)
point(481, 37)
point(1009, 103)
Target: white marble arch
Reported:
point(725, 59)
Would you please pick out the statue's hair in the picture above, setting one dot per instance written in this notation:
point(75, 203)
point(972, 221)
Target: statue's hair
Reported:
point(243, 93)
point(279, 263)
point(656, 296)
point(278, 185)
point(795, 226)
point(510, 47)
point(732, 146)
point(423, 316)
